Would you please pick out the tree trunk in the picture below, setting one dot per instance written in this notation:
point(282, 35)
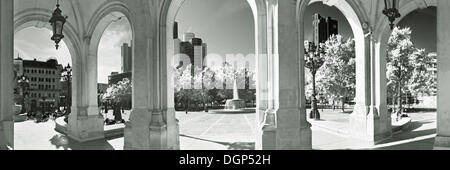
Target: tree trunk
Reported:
point(343, 105)
point(334, 106)
point(117, 113)
point(394, 107)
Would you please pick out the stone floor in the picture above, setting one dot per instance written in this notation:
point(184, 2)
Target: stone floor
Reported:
point(207, 131)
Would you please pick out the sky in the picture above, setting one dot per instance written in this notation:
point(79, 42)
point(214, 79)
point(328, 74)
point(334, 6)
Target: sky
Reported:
point(226, 26)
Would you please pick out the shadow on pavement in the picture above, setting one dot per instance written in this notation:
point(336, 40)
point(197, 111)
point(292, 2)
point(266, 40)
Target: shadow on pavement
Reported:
point(425, 144)
point(231, 146)
point(62, 141)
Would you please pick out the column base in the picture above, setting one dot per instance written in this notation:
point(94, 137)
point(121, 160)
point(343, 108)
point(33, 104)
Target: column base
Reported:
point(137, 134)
point(293, 130)
point(370, 124)
point(147, 130)
point(6, 135)
point(266, 138)
point(128, 136)
point(441, 143)
point(173, 130)
point(83, 127)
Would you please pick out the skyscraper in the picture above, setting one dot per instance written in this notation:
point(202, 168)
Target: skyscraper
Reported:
point(191, 50)
point(319, 29)
point(198, 52)
point(175, 30)
point(126, 58)
point(332, 26)
point(323, 28)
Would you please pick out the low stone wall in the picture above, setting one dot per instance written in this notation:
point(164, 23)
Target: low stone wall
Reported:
point(110, 131)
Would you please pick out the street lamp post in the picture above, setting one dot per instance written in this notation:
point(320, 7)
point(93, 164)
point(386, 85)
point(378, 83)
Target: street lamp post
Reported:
point(24, 84)
point(391, 11)
point(313, 61)
point(68, 78)
point(44, 100)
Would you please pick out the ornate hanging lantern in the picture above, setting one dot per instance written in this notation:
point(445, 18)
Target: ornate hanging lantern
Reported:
point(391, 11)
point(57, 21)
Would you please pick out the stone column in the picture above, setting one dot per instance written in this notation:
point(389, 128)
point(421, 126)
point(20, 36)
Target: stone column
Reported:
point(265, 132)
point(370, 120)
point(6, 74)
point(442, 140)
point(85, 120)
point(148, 126)
point(286, 111)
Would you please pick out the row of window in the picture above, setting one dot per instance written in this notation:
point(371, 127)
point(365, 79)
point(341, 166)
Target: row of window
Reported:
point(36, 71)
point(37, 79)
point(46, 87)
point(39, 95)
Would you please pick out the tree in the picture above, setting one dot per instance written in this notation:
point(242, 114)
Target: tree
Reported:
point(204, 79)
point(115, 95)
point(338, 77)
point(407, 68)
point(183, 85)
point(336, 80)
point(423, 81)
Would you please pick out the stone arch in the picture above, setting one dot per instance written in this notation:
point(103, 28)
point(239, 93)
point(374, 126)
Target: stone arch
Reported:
point(168, 13)
point(353, 11)
point(96, 26)
point(39, 18)
point(407, 7)
point(381, 38)
point(356, 20)
point(102, 18)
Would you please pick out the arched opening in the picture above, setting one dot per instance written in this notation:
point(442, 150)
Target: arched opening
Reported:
point(114, 75)
point(42, 86)
point(335, 76)
point(359, 124)
point(220, 35)
point(409, 61)
point(109, 29)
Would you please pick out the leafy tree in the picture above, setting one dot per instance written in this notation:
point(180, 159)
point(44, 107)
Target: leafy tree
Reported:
point(183, 85)
point(338, 77)
point(204, 80)
point(336, 80)
point(405, 63)
point(115, 95)
point(423, 81)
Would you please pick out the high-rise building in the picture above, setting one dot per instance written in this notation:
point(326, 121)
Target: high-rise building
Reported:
point(323, 28)
point(205, 53)
point(198, 52)
point(332, 26)
point(44, 82)
point(175, 30)
point(191, 50)
point(319, 29)
point(126, 58)
point(187, 51)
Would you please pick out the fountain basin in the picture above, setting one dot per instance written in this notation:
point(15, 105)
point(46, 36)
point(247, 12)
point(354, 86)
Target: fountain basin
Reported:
point(235, 104)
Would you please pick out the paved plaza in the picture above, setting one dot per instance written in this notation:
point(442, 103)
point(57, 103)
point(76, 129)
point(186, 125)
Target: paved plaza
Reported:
point(209, 131)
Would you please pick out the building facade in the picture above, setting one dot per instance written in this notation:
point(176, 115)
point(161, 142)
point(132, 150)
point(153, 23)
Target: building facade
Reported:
point(44, 78)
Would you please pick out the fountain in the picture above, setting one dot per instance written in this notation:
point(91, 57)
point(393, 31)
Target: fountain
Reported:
point(235, 104)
